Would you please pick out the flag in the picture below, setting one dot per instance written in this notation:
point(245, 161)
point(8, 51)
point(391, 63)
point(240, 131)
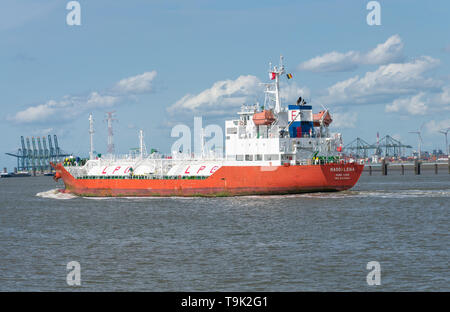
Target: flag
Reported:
point(289, 76)
point(272, 76)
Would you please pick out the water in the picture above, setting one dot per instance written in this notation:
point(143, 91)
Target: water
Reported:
point(258, 243)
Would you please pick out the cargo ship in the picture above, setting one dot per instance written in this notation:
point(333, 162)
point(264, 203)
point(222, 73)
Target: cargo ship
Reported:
point(269, 149)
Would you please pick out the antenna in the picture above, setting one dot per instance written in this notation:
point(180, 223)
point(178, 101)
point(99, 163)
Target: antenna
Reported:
point(109, 120)
point(91, 135)
point(445, 132)
point(142, 148)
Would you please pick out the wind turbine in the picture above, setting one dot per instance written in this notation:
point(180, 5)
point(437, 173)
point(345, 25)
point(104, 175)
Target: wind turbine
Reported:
point(419, 138)
point(445, 132)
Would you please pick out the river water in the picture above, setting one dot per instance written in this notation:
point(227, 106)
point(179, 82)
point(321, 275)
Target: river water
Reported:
point(308, 242)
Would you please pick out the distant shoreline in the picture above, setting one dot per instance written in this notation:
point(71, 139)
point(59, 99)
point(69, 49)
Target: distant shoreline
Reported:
point(409, 166)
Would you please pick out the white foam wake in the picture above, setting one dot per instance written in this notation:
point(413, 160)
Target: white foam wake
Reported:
point(55, 194)
point(414, 193)
point(398, 194)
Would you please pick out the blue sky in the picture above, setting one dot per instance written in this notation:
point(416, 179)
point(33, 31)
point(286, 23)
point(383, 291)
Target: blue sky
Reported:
point(161, 62)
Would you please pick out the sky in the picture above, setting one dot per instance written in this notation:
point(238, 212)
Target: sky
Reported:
point(159, 63)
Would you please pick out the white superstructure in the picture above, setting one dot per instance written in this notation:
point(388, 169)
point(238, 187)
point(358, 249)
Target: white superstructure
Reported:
point(277, 142)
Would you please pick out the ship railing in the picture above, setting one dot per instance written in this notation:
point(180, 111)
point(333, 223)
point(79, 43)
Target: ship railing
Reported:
point(141, 177)
point(322, 160)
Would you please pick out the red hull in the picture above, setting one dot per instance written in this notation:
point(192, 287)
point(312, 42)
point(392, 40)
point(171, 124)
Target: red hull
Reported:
point(227, 181)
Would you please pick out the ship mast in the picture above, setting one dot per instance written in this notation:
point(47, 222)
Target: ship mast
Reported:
point(273, 89)
point(142, 148)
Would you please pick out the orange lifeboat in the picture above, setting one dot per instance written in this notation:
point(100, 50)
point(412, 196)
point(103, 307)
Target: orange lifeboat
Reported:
point(263, 118)
point(322, 116)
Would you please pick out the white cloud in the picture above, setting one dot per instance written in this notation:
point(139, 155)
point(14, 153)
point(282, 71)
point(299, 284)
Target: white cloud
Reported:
point(34, 113)
point(444, 97)
point(422, 103)
point(383, 84)
point(415, 105)
point(136, 84)
point(332, 62)
point(65, 109)
point(225, 93)
point(344, 120)
point(289, 93)
point(70, 107)
point(390, 51)
point(433, 126)
point(387, 52)
point(95, 100)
